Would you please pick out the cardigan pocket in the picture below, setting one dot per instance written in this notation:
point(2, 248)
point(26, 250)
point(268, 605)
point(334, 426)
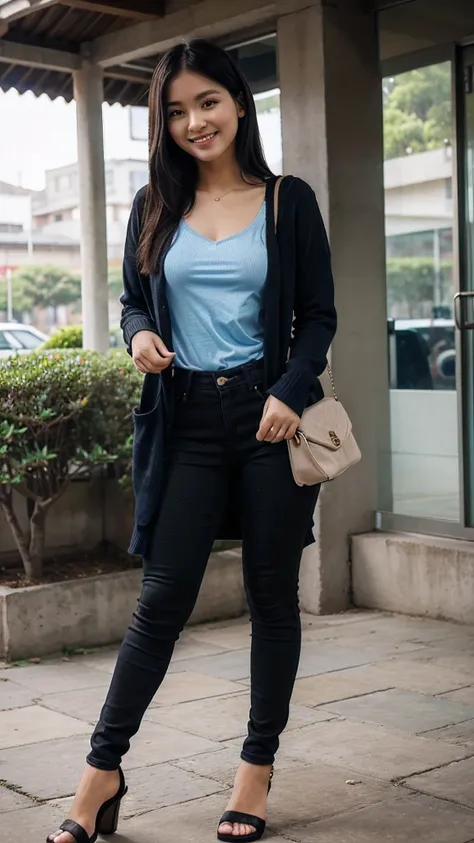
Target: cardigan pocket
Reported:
point(148, 450)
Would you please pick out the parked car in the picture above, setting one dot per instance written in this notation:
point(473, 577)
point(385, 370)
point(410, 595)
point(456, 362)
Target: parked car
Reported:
point(16, 338)
point(422, 353)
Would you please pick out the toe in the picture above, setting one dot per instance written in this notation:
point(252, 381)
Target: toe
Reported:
point(225, 828)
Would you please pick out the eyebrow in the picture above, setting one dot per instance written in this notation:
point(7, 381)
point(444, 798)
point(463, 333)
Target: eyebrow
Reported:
point(199, 97)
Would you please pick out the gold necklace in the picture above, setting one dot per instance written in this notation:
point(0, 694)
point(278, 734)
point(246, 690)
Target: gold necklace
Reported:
point(232, 190)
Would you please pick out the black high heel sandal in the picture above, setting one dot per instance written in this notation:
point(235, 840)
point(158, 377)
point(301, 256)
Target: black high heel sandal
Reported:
point(106, 821)
point(244, 819)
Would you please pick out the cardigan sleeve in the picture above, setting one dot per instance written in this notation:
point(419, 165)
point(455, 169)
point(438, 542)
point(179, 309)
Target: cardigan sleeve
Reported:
point(315, 318)
point(135, 313)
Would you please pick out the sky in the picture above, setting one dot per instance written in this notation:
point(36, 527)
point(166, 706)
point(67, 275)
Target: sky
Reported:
point(38, 134)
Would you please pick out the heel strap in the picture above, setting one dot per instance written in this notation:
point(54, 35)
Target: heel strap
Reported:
point(77, 831)
point(246, 819)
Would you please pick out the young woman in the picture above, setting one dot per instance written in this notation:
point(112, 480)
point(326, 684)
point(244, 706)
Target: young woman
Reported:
point(230, 321)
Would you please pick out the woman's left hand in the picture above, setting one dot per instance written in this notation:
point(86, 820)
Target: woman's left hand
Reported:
point(278, 421)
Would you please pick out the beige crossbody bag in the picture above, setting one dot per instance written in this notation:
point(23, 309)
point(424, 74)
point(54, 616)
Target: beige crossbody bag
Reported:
point(324, 445)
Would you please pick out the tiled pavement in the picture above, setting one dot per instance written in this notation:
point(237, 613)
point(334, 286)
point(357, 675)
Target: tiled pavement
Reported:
point(380, 744)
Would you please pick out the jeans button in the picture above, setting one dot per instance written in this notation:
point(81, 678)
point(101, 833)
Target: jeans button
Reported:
point(221, 381)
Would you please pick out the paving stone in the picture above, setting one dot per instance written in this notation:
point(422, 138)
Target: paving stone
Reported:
point(411, 629)
point(234, 637)
point(340, 685)
point(233, 665)
point(338, 619)
point(52, 769)
point(420, 818)
point(463, 642)
point(13, 695)
point(193, 822)
point(189, 685)
point(11, 801)
point(33, 724)
point(223, 718)
point(405, 710)
point(463, 695)
point(105, 658)
point(320, 790)
point(404, 673)
point(460, 733)
point(30, 826)
point(222, 765)
point(455, 782)
point(84, 704)
point(155, 744)
point(368, 749)
point(162, 785)
point(188, 648)
point(46, 770)
point(318, 657)
point(455, 660)
point(158, 786)
point(414, 675)
point(53, 677)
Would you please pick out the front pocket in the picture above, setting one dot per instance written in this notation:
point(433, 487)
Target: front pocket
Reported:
point(148, 451)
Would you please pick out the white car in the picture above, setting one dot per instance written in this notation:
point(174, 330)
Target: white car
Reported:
point(16, 338)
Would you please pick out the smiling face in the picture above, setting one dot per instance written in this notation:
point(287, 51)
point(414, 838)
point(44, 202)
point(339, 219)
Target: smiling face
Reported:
point(203, 117)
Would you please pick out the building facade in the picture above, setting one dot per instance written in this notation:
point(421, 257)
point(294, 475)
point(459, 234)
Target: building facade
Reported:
point(56, 209)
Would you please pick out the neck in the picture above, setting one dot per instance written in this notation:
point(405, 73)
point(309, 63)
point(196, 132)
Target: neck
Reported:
point(221, 175)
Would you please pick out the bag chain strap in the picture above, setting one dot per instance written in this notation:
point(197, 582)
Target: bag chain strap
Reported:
point(333, 385)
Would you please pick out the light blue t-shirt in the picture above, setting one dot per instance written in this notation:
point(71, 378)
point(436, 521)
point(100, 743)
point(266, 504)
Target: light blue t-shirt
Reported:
point(215, 296)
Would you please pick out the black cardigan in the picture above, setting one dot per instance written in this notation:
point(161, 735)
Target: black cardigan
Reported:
point(299, 316)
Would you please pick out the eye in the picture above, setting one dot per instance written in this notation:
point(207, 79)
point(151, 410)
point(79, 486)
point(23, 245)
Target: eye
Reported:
point(175, 113)
point(209, 103)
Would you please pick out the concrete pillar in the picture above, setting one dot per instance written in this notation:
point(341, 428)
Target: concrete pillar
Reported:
point(332, 137)
point(89, 96)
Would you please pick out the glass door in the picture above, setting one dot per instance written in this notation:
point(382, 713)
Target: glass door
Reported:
point(420, 217)
point(464, 299)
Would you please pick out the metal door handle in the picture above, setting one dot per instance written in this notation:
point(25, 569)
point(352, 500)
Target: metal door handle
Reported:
point(460, 300)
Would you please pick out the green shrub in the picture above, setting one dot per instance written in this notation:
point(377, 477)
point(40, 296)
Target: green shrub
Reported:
point(63, 414)
point(69, 337)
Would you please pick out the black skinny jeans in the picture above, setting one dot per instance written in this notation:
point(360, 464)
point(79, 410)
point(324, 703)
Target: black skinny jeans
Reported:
point(214, 433)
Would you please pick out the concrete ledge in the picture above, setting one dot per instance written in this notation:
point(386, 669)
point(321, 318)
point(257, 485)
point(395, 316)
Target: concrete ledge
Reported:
point(415, 575)
point(39, 620)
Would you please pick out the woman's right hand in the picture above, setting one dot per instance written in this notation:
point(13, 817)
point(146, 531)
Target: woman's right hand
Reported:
point(149, 353)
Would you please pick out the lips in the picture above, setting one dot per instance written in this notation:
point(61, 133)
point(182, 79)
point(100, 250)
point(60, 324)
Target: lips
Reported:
point(203, 138)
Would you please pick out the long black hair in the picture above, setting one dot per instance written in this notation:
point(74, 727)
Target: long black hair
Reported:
point(173, 173)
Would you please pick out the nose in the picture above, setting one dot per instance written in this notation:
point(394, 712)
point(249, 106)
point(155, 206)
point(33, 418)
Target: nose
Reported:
point(197, 122)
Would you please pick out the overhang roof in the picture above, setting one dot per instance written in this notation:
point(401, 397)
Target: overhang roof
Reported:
point(59, 29)
point(43, 41)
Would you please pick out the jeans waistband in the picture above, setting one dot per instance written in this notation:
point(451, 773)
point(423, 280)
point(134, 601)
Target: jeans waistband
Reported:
point(218, 379)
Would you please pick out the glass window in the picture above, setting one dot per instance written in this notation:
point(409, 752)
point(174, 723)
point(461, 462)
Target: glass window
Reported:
point(418, 172)
point(138, 178)
point(4, 344)
point(25, 339)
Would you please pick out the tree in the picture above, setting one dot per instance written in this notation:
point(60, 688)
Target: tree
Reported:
point(45, 286)
point(417, 110)
point(64, 415)
point(411, 284)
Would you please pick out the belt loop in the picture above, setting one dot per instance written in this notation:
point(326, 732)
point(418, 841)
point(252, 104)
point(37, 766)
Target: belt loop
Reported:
point(246, 373)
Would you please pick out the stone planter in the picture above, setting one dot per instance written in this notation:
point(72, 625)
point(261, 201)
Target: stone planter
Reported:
point(39, 620)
